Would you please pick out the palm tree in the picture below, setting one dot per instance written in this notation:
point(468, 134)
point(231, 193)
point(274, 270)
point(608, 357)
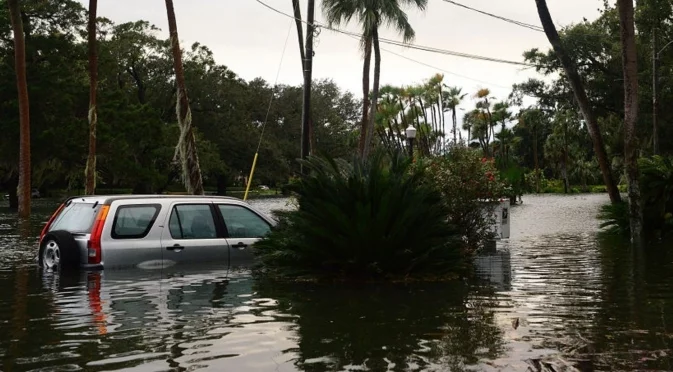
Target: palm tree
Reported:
point(90, 170)
point(451, 102)
point(24, 108)
point(630, 67)
point(502, 115)
point(186, 148)
point(570, 69)
point(371, 15)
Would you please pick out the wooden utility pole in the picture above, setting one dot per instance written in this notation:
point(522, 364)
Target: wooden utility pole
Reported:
point(308, 65)
point(300, 32)
point(655, 93)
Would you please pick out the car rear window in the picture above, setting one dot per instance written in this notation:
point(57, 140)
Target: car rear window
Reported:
point(134, 221)
point(76, 218)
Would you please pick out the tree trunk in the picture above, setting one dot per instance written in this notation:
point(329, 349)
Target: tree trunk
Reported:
point(630, 66)
point(24, 187)
point(454, 118)
point(565, 156)
point(365, 95)
point(90, 170)
point(581, 98)
point(537, 165)
point(655, 93)
point(435, 128)
point(375, 93)
point(186, 148)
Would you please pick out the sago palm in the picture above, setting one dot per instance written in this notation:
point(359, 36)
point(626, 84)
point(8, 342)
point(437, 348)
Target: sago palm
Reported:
point(371, 14)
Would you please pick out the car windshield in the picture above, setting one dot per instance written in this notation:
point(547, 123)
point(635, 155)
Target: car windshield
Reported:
point(76, 218)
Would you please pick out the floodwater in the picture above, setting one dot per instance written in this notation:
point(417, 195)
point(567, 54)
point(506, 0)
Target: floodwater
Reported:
point(554, 294)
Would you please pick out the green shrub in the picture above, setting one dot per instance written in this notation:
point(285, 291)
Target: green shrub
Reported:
point(553, 187)
point(615, 218)
point(367, 220)
point(470, 186)
point(599, 189)
point(656, 188)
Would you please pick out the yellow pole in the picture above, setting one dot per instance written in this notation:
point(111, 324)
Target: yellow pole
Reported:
point(252, 172)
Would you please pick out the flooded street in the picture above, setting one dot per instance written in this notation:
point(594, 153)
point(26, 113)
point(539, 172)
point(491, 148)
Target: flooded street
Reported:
point(553, 292)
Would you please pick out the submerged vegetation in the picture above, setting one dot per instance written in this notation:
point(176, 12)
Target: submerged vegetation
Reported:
point(365, 219)
point(383, 218)
point(656, 183)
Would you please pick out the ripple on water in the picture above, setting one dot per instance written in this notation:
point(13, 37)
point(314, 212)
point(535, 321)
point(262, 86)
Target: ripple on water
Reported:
point(552, 289)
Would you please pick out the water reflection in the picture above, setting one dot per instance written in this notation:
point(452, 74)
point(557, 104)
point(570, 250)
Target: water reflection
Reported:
point(395, 328)
point(552, 294)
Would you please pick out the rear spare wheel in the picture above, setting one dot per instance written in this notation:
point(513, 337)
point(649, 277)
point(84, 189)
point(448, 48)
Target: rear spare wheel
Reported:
point(59, 252)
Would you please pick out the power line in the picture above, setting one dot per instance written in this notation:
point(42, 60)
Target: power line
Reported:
point(512, 21)
point(441, 69)
point(410, 46)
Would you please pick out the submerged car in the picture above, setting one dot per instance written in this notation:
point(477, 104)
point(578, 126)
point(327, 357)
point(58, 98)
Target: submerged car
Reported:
point(150, 232)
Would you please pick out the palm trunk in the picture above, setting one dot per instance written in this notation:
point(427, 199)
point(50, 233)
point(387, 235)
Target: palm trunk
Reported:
point(581, 98)
point(186, 148)
point(454, 118)
point(90, 171)
point(565, 156)
point(365, 95)
point(24, 187)
point(630, 65)
point(375, 92)
point(535, 160)
point(426, 138)
point(435, 127)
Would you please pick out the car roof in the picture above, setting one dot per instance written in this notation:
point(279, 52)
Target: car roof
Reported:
point(111, 198)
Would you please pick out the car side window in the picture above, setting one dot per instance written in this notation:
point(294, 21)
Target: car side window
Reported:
point(192, 221)
point(242, 222)
point(134, 221)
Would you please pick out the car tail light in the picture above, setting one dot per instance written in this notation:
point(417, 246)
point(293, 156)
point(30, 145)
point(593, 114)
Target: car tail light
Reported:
point(94, 243)
point(51, 220)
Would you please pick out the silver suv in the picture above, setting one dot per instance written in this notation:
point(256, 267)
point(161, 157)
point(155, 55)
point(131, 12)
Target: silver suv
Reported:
point(150, 231)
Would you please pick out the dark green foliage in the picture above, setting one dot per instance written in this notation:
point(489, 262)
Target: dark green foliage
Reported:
point(369, 219)
point(656, 187)
point(656, 184)
point(615, 218)
point(137, 132)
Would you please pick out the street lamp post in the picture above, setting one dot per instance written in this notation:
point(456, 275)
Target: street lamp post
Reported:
point(411, 136)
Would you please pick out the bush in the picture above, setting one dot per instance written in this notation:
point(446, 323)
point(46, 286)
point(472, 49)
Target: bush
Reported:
point(599, 189)
point(615, 218)
point(369, 220)
point(656, 188)
point(470, 188)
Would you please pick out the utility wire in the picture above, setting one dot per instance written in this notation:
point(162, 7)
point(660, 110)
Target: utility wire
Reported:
point(411, 46)
point(512, 21)
point(440, 69)
point(275, 84)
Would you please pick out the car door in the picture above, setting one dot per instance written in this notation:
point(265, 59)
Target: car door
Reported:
point(244, 227)
point(193, 236)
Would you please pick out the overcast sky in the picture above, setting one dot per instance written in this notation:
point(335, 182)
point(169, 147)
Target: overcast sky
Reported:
point(249, 39)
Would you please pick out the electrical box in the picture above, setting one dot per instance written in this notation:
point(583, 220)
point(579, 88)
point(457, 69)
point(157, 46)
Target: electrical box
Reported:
point(500, 216)
point(504, 219)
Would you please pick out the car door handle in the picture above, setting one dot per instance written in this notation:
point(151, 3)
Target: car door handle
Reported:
point(239, 246)
point(175, 247)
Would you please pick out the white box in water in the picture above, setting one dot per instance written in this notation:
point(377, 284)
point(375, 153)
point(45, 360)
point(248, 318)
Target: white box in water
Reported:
point(501, 220)
point(504, 219)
